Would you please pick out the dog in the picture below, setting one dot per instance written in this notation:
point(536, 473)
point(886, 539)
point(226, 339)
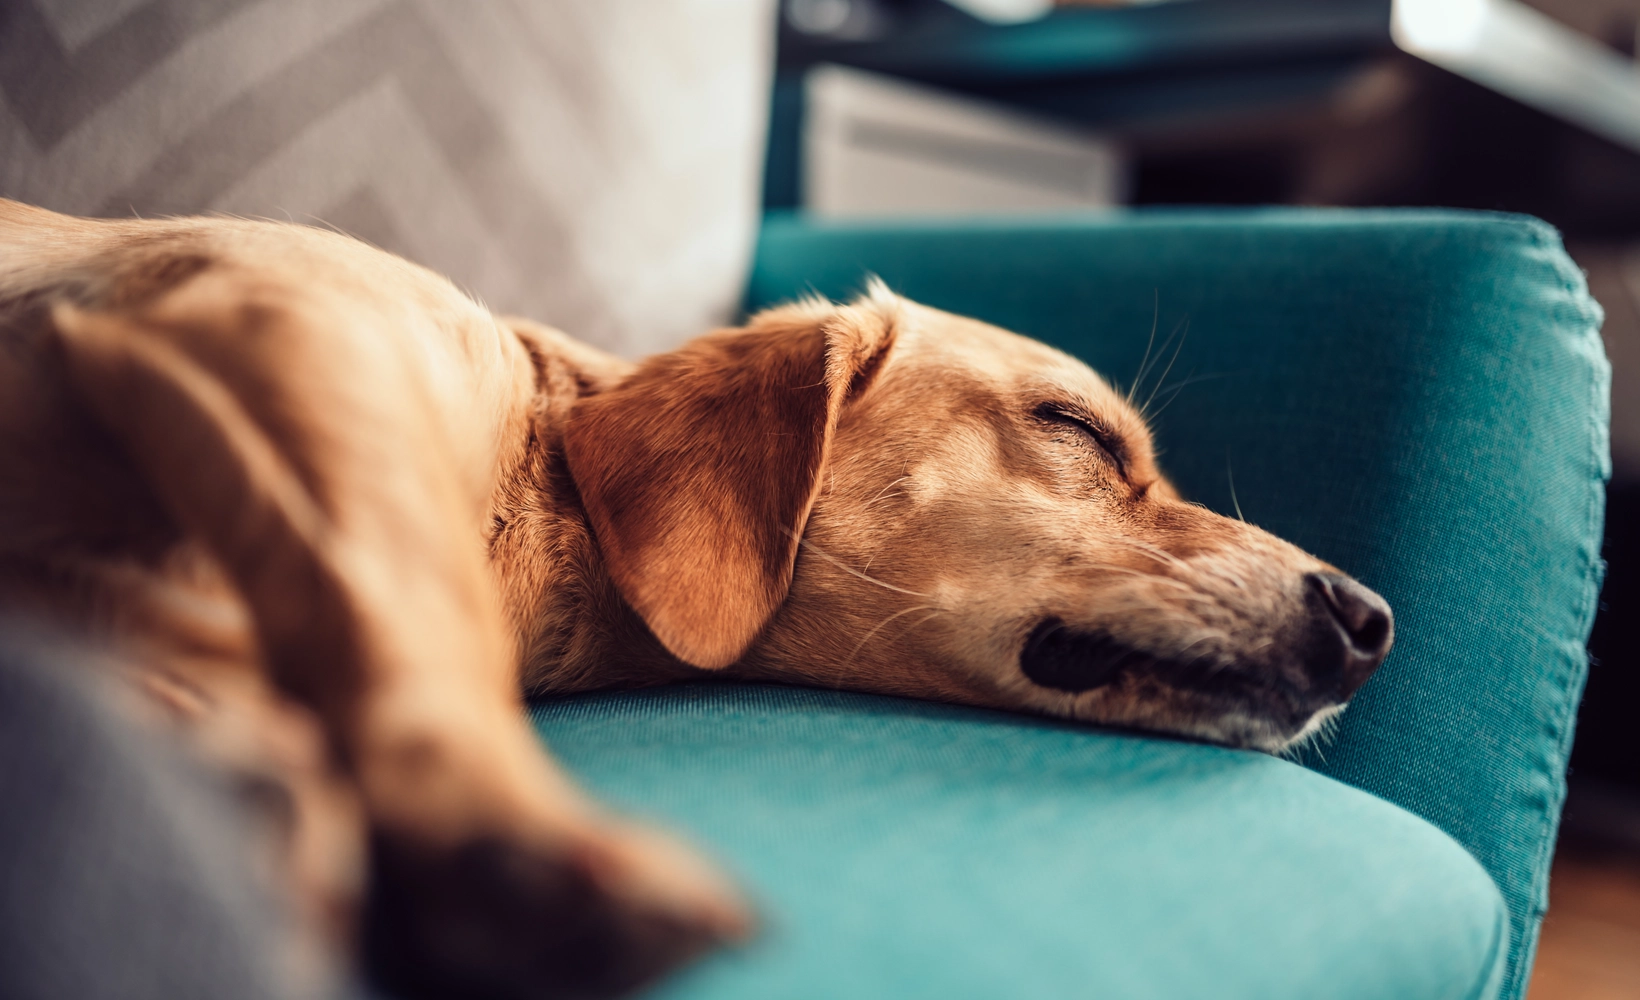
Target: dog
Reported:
point(337, 518)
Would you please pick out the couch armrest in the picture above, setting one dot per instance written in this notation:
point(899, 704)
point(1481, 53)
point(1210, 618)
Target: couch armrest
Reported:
point(1419, 397)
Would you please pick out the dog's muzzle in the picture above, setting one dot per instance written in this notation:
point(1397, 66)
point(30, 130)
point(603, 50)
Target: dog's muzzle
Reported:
point(1325, 654)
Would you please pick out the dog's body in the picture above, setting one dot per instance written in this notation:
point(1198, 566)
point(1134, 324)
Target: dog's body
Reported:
point(338, 516)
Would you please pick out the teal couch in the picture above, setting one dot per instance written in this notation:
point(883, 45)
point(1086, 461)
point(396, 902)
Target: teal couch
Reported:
point(1417, 396)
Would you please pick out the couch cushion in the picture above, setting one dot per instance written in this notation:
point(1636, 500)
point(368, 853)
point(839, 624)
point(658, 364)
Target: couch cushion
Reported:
point(1417, 396)
point(900, 850)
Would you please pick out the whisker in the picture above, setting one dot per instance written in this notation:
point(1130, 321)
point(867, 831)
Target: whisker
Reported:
point(1184, 590)
point(1185, 326)
point(1129, 570)
point(1170, 340)
point(1203, 568)
point(920, 622)
point(828, 557)
point(1193, 378)
point(1218, 572)
point(1231, 476)
point(869, 503)
point(883, 494)
point(879, 627)
point(1153, 552)
point(1144, 362)
point(1179, 387)
point(885, 489)
point(1172, 394)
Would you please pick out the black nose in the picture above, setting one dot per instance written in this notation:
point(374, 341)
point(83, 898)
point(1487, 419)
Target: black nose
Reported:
point(1361, 619)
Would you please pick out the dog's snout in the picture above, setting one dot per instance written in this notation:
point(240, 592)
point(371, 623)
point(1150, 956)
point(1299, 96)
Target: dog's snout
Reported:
point(1361, 619)
point(1362, 614)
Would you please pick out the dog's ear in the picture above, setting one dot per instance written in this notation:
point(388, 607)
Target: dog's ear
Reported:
point(699, 470)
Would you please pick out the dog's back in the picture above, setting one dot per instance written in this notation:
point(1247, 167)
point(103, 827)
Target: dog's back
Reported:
point(84, 538)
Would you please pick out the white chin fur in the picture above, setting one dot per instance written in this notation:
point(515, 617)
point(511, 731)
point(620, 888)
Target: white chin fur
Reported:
point(1317, 722)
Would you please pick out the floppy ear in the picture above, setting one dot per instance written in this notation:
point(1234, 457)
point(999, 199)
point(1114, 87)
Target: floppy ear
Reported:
point(699, 470)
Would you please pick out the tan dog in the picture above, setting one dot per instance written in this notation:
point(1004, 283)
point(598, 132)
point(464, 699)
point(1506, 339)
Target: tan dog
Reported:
point(337, 516)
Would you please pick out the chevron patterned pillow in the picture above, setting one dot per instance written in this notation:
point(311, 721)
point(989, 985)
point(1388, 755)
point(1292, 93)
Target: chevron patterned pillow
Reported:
point(594, 164)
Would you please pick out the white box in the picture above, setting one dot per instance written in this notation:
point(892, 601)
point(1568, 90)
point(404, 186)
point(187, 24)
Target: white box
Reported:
point(875, 146)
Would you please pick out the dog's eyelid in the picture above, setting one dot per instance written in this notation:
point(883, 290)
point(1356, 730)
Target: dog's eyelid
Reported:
point(1104, 437)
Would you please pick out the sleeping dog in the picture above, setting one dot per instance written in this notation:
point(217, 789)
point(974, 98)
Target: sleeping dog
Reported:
point(335, 518)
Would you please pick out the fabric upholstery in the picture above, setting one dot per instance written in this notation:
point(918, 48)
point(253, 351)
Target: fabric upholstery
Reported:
point(900, 850)
point(1419, 397)
point(589, 163)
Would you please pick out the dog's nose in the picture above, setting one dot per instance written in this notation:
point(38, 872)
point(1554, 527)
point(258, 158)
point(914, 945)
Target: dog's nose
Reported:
point(1362, 620)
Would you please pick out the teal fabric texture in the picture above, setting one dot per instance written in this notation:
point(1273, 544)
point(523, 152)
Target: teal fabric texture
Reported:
point(900, 850)
point(1417, 396)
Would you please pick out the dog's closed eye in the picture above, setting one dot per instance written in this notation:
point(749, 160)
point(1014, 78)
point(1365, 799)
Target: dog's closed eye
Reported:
point(1104, 440)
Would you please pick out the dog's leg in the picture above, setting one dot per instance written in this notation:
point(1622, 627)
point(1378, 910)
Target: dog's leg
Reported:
point(306, 450)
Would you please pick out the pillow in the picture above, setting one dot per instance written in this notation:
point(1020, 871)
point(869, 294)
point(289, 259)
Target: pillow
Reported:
point(594, 164)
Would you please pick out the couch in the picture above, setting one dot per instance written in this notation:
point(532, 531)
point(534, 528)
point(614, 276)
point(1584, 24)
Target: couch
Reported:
point(1417, 396)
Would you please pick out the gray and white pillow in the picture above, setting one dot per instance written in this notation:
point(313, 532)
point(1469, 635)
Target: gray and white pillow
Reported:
point(594, 164)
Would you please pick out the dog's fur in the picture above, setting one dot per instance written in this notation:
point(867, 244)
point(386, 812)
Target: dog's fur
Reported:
point(337, 516)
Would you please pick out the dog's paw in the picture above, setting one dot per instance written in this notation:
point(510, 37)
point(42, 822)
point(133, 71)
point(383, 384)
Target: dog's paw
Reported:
point(598, 915)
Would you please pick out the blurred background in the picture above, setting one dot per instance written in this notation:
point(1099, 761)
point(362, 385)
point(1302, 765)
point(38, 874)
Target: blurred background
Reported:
point(908, 107)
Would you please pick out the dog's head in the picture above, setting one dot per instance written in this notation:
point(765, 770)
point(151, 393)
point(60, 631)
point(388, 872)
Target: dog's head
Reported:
point(886, 497)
